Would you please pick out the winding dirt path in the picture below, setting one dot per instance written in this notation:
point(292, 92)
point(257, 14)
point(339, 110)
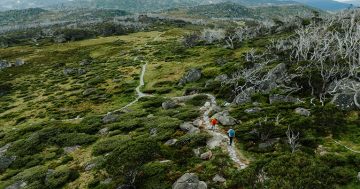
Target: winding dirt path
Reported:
point(218, 137)
point(138, 91)
point(338, 143)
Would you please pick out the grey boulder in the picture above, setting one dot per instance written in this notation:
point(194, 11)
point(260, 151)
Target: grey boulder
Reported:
point(225, 119)
point(191, 76)
point(206, 156)
point(219, 179)
point(253, 110)
point(169, 105)
point(276, 98)
point(17, 185)
point(189, 128)
point(302, 112)
point(110, 118)
point(189, 181)
point(245, 96)
point(171, 142)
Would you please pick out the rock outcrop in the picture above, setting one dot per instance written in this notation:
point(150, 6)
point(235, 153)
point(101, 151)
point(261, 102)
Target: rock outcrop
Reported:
point(110, 118)
point(191, 76)
point(346, 94)
point(206, 156)
point(170, 104)
point(276, 98)
point(225, 119)
point(189, 128)
point(189, 181)
point(219, 179)
point(302, 112)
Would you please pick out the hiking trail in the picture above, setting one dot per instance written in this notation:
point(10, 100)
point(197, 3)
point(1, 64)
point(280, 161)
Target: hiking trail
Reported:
point(218, 137)
point(348, 148)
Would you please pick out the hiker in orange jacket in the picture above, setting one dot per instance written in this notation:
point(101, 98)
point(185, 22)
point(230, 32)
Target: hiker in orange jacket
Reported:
point(213, 123)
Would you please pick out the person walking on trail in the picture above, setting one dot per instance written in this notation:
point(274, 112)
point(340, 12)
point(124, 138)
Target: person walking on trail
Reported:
point(231, 134)
point(213, 123)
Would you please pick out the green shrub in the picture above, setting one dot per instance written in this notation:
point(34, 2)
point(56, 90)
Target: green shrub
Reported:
point(198, 100)
point(128, 159)
point(60, 176)
point(71, 139)
point(107, 145)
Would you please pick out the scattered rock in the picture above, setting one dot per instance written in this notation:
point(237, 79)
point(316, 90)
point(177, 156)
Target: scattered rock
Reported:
point(222, 78)
point(110, 118)
point(197, 123)
point(90, 166)
point(125, 186)
point(219, 179)
point(85, 62)
point(89, 91)
point(189, 181)
point(150, 116)
point(253, 110)
point(71, 149)
point(5, 64)
point(197, 152)
point(245, 96)
point(153, 131)
point(19, 62)
point(17, 185)
point(106, 181)
point(5, 162)
point(186, 126)
point(346, 101)
point(171, 142)
point(276, 98)
point(191, 76)
point(225, 119)
point(4, 149)
point(216, 140)
point(73, 71)
point(206, 156)
point(321, 150)
point(264, 145)
point(302, 112)
point(169, 105)
point(268, 144)
point(49, 173)
point(104, 131)
point(189, 127)
point(165, 161)
point(277, 72)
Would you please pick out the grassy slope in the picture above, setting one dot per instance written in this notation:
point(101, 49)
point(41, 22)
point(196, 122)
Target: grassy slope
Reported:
point(56, 98)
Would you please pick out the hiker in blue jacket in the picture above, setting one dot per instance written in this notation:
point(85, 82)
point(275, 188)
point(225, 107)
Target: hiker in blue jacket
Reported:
point(231, 134)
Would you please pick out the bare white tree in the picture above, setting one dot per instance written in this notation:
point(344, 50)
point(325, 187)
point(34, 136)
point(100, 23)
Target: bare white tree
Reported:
point(293, 139)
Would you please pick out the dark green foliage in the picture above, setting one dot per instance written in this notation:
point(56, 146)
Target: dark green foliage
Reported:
point(107, 145)
point(198, 100)
point(60, 176)
point(155, 102)
point(71, 139)
point(89, 125)
point(128, 159)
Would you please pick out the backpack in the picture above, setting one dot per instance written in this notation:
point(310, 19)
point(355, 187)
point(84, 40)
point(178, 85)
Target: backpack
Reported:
point(231, 133)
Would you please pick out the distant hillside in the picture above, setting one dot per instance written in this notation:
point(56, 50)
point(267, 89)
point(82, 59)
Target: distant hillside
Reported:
point(156, 5)
point(329, 5)
point(38, 15)
point(233, 10)
point(222, 10)
point(264, 2)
